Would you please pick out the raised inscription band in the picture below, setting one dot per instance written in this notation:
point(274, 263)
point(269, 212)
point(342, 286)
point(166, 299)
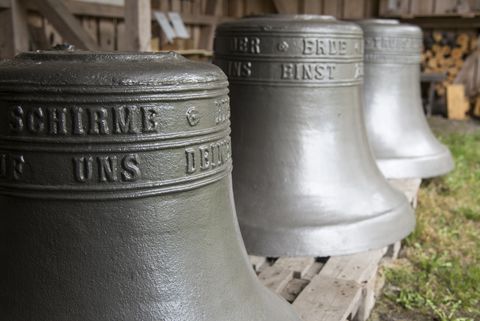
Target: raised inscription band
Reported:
point(111, 122)
point(341, 47)
point(397, 50)
point(105, 174)
point(110, 150)
point(318, 73)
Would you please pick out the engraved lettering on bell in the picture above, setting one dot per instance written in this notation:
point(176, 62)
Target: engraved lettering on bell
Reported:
point(108, 180)
point(11, 166)
point(207, 157)
point(222, 113)
point(239, 68)
point(322, 47)
point(84, 120)
point(296, 127)
point(104, 169)
point(307, 71)
point(245, 45)
point(283, 46)
point(193, 116)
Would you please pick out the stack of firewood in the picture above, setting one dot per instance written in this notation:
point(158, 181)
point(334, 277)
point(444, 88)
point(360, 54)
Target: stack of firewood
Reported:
point(445, 52)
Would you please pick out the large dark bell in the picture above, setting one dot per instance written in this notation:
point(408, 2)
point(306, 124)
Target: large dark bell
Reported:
point(305, 180)
point(116, 193)
point(397, 128)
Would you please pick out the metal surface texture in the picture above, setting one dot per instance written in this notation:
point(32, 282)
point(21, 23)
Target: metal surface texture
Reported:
point(401, 139)
point(305, 180)
point(116, 199)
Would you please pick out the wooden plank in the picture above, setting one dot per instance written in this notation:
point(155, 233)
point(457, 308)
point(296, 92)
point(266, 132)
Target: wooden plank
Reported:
point(53, 36)
point(107, 34)
point(257, 262)
point(399, 8)
point(186, 6)
point(393, 250)
point(36, 28)
point(293, 289)
point(457, 103)
point(360, 268)
point(277, 276)
point(165, 6)
point(409, 187)
point(112, 11)
point(444, 6)
point(286, 6)
point(310, 6)
point(253, 7)
point(206, 36)
point(121, 43)
point(64, 22)
point(357, 267)
point(91, 27)
point(371, 8)
point(138, 26)
point(14, 37)
point(328, 299)
point(367, 300)
point(175, 5)
point(421, 7)
point(296, 285)
point(205, 20)
point(353, 9)
point(95, 9)
point(236, 8)
point(444, 22)
point(332, 8)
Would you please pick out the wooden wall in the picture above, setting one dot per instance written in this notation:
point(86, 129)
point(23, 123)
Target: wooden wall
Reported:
point(429, 8)
point(104, 23)
point(105, 26)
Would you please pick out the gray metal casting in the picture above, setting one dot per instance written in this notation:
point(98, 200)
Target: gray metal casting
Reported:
point(116, 200)
point(305, 180)
point(397, 128)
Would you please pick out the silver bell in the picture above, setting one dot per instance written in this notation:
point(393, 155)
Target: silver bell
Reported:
point(401, 139)
point(305, 180)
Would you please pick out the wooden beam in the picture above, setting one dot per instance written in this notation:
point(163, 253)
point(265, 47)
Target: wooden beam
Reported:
point(444, 22)
point(58, 14)
point(99, 10)
point(95, 9)
point(206, 37)
point(204, 19)
point(138, 25)
point(4, 4)
point(310, 7)
point(14, 37)
point(286, 6)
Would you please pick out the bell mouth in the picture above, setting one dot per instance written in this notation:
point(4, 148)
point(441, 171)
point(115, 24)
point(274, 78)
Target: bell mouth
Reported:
point(381, 21)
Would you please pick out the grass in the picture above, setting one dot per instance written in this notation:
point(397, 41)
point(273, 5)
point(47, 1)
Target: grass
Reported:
point(438, 277)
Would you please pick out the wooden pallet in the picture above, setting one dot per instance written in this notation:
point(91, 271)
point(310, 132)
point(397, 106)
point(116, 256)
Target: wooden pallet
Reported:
point(334, 288)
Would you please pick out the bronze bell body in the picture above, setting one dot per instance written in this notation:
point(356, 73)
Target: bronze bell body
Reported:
point(305, 180)
point(116, 193)
point(397, 128)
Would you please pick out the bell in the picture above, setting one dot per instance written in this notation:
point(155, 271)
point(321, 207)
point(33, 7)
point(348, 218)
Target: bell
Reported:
point(305, 180)
point(116, 200)
point(397, 128)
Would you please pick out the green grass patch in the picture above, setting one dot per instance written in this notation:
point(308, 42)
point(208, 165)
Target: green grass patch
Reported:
point(439, 276)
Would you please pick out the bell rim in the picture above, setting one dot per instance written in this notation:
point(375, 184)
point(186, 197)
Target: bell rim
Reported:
point(417, 167)
point(321, 241)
